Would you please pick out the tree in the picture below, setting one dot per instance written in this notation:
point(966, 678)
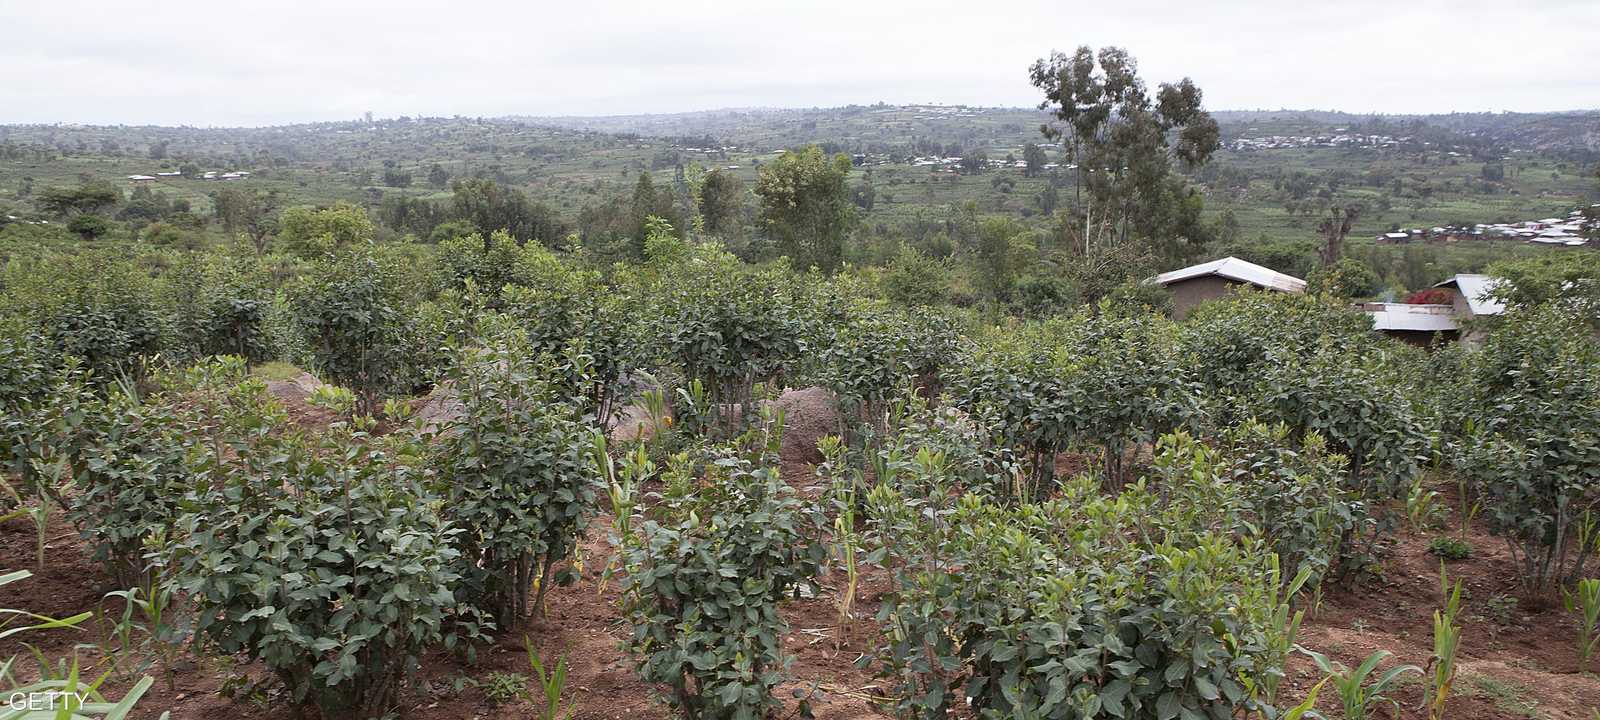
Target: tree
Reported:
point(90, 197)
point(1034, 159)
point(1004, 246)
point(252, 212)
point(972, 161)
point(806, 207)
point(309, 232)
point(89, 226)
point(721, 202)
point(1118, 136)
point(491, 206)
point(438, 176)
point(1334, 228)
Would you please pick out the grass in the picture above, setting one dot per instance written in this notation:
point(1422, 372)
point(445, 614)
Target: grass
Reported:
point(276, 370)
point(1506, 695)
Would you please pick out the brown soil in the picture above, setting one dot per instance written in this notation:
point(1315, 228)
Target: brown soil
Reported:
point(1519, 666)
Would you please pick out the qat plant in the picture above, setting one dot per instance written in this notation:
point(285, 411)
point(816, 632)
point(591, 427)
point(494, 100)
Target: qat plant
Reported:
point(1296, 498)
point(706, 568)
point(1085, 606)
point(519, 482)
point(728, 328)
point(1103, 382)
point(352, 311)
point(1533, 460)
point(871, 353)
point(327, 563)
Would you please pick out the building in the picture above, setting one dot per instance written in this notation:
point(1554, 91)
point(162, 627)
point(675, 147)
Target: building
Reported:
point(1414, 324)
point(1422, 324)
point(1196, 284)
point(1469, 295)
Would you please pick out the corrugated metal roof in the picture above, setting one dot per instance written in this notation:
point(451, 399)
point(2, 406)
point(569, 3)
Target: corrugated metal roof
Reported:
point(1474, 288)
point(1417, 318)
point(1237, 270)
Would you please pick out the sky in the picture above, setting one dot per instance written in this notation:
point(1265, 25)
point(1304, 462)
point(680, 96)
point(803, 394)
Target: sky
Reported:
point(185, 62)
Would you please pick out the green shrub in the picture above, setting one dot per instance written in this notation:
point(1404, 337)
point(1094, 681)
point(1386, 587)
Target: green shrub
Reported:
point(1533, 454)
point(95, 305)
point(705, 571)
point(1450, 548)
point(518, 483)
point(1296, 499)
point(325, 562)
point(353, 313)
point(1088, 605)
point(1103, 383)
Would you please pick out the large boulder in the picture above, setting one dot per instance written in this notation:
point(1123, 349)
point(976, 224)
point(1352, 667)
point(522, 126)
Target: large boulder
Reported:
point(440, 408)
point(809, 414)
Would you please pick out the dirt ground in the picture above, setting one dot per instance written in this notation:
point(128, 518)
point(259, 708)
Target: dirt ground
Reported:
point(1517, 661)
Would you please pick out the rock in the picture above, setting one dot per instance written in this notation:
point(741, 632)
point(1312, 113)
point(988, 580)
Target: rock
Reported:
point(440, 408)
point(809, 414)
point(296, 390)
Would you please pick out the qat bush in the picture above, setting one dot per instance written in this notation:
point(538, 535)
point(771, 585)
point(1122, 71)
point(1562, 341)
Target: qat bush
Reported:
point(325, 562)
point(95, 305)
point(220, 307)
point(874, 352)
point(1294, 499)
point(1100, 383)
point(1533, 452)
point(517, 481)
point(1133, 605)
point(705, 570)
point(729, 328)
point(353, 312)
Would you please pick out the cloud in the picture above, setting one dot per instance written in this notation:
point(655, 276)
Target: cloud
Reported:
point(206, 63)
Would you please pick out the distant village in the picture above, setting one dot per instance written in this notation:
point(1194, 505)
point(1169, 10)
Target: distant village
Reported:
point(1575, 230)
point(1339, 139)
point(208, 175)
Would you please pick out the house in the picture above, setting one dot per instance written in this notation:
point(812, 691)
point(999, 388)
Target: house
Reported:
point(1464, 298)
point(141, 178)
point(1196, 284)
point(1414, 324)
point(1468, 295)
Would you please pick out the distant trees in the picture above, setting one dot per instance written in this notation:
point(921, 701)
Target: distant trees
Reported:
point(438, 177)
point(1033, 159)
point(310, 232)
point(251, 212)
point(805, 206)
point(721, 202)
point(490, 206)
point(1118, 136)
point(91, 197)
point(396, 178)
point(973, 160)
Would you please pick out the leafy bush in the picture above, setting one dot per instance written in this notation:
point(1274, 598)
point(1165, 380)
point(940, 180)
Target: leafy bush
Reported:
point(95, 305)
point(874, 352)
point(1295, 498)
point(729, 329)
point(220, 307)
point(705, 572)
point(353, 313)
point(1533, 455)
point(1103, 382)
point(1450, 548)
point(325, 562)
point(1087, 605)
point(516, 479)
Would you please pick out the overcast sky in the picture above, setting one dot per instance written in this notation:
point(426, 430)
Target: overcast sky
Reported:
point(260, 63)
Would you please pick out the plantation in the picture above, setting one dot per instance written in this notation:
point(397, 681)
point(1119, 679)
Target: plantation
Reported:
point(511, 463)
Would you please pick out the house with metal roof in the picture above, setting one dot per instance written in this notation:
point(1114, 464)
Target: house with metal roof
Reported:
point(1196, 284)
point(1469, 295)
